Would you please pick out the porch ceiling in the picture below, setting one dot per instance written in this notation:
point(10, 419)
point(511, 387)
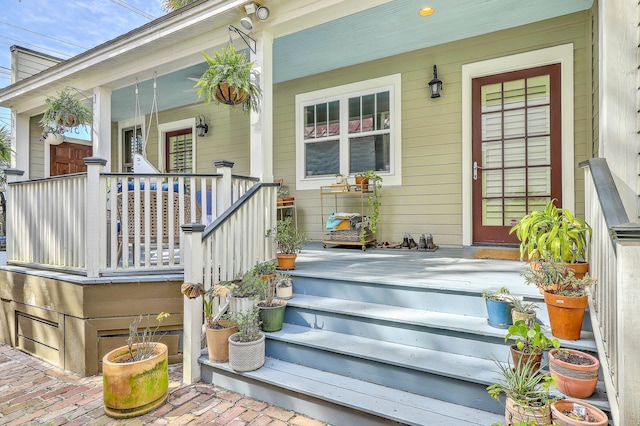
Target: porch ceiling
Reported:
point(390, 28)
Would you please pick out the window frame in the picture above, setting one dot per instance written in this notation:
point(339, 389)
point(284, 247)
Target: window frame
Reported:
point(391, 83)
point(164, 128)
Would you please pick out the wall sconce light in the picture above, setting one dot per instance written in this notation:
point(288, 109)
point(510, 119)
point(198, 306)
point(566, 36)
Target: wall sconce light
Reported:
point(435, 85)
point(202, 127)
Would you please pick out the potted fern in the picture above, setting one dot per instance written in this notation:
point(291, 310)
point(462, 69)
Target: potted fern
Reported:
point(64, 112)
point(230, 79)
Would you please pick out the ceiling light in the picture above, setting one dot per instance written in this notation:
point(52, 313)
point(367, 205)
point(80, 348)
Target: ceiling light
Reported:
point(262, 13)
point(426, 11)
point(250, 8)
point(246, 23)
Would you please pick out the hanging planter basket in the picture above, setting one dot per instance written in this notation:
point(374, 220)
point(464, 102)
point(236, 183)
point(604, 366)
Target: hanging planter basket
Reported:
point(229, 95)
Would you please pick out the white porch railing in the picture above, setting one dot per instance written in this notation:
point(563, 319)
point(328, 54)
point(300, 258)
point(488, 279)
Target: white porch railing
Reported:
point(99, 223)
point(230, 246)
point(614, 302)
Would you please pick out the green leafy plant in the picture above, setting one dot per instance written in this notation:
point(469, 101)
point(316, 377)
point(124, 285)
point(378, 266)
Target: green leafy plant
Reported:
point(288, 238)
point(519, 305)
point(248, 285)
point(373, 200)
point(525, 383)
point(553, 234)
point(208, 300)
point(142, 343)
point(265, 268)
point(556, 278)
point(64, 111)
point(283, 279)
point(232, 67)
point(530, 339)
point(248, 326)
point(502, 294)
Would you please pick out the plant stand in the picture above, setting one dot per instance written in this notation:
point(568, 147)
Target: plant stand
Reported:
point(351, 197)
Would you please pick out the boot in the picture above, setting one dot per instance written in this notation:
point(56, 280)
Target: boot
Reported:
point(422, 245)
point(430, 244)
point(405, 241)
point(412, 243)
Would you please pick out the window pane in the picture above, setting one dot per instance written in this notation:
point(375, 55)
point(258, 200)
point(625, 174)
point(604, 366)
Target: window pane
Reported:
point(514, 153)
point(492, 126)
point(179, 153)
point(539, 151)
point(354, 115)
point(491, 97)
point(539, 120)
point(514, 124)
point(334, 118)
point(322, 158)
point(514, 94)
point(382, 111)
point(538, 90)
point(369, 153)
point(491, 155)
point(368, 110)
point(515, 182)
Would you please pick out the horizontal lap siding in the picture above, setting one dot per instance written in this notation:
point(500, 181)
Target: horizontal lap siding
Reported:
point(430, 198)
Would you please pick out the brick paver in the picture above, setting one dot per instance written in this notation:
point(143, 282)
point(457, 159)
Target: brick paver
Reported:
point(35, 393)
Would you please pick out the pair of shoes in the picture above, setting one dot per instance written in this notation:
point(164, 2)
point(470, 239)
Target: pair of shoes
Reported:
point(408, 242)
point(422, 245)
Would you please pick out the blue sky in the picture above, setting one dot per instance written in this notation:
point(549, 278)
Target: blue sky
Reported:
point(65, 28)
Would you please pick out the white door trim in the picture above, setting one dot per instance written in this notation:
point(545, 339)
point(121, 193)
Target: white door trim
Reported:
point(558, 54)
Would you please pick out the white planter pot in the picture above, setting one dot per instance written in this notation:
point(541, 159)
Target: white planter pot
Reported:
point(241, 304)
point(284, 293)
point(246, 356)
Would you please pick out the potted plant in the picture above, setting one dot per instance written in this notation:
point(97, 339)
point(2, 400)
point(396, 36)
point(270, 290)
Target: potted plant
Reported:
point(289, 241)
point(135, 377)
point(271, 309)
point(523, 311)
point(265, 270)
point(217, 329)
point(565, 296)
point(230, 79)
point(527, 393)
point(64, 112)
point(245, 291)
point(575, 372)
point(530, 342)
point(498, 307)
point(554, 234)
point(284, 286)
point(373, 186)
point(283, 197)
point(246, 346)
point(570, 412)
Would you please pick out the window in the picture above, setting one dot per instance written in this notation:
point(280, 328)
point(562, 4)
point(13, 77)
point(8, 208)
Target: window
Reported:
point(129, 147)
point(349, 129)
point(179, 151)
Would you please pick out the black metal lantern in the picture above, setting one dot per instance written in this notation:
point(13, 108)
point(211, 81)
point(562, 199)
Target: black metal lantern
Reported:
point(202, 128)
point(435, 85)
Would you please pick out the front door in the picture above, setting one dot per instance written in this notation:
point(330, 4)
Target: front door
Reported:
point(68, 158)
point(516, 149)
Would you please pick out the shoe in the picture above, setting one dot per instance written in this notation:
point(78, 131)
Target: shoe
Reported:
point(405, 241)
point(430, 245)
point(412, 243)
point(422, 245)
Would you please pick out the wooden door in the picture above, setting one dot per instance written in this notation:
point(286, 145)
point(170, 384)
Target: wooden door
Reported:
point(68, 158)
point(516, 148)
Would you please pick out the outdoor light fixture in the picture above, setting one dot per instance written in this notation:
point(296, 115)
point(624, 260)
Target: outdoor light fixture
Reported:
point(262, 13)
point(435, 85)
point(202, 127)
point(246, 23)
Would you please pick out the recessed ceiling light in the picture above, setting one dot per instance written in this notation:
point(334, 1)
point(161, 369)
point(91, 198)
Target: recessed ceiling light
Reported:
point(426, 11)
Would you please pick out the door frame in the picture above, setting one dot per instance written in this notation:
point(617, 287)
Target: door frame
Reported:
point(563, 55)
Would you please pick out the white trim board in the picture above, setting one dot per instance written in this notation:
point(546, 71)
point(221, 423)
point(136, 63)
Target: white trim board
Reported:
point(563, 55)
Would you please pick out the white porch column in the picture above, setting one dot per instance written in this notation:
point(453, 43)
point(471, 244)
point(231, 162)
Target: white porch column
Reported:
point(192, 308)
point(261, 131)
point(101, 129)
point(20, 142)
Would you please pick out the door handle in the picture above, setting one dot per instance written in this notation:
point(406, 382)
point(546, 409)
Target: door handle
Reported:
point(475, 170)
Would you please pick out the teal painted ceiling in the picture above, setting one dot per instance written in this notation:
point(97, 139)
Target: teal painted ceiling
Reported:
point(389, 29)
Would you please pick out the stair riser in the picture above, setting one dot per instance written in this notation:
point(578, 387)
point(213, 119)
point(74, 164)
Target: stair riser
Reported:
point(398, 332)
point(407, 297)
point(422, 383)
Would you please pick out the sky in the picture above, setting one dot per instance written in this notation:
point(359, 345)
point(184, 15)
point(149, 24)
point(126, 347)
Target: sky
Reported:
point(65, 28)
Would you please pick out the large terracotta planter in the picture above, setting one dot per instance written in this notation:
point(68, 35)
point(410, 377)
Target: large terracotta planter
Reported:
point(579, 269)
point(228, 95)
point(565, 315)
point(596, 416)
point(515, 413)
point(286, 261)
point(246, 356)
point(574, 380)
point(218, 341)
point(532, 359)
point(131, 389)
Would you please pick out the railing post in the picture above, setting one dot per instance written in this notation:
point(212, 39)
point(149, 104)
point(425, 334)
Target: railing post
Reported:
point(13, 175)
point(95, 218)
point(192, 312)
point(224, 190)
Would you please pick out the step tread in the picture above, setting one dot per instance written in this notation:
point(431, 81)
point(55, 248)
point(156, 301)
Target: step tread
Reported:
point(440, 320)
point(374, 399)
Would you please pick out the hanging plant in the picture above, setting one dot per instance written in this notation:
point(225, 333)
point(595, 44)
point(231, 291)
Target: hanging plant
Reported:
point(63, 110)
point(230, 79)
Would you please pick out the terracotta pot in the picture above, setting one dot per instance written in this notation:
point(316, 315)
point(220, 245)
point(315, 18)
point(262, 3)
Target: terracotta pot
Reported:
point(574, 380)
point(514, 413)
point(565, 315)
point(597, 416)
point(228, 95)
point(286, 261)
point(533, 359)
point(246, 356)
point(131, 389)
point(286, 201)
point(218, 341)
point(579, 269)
point(362, 183)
